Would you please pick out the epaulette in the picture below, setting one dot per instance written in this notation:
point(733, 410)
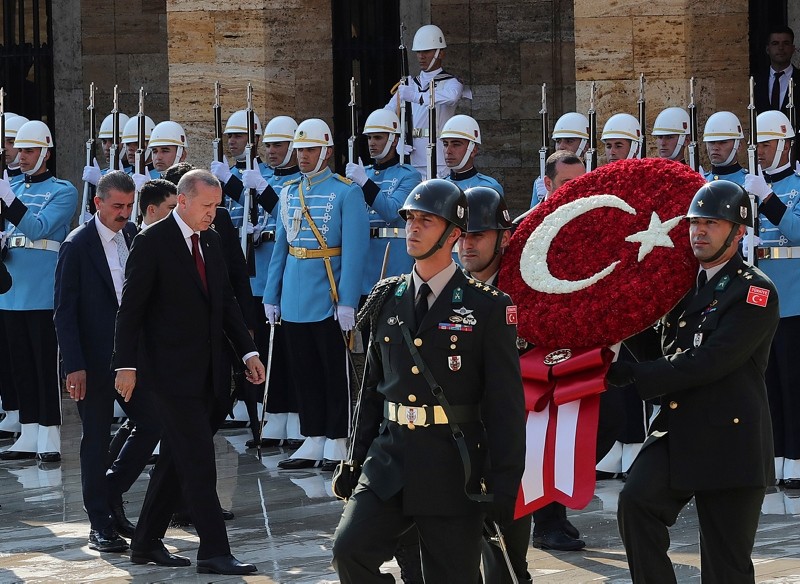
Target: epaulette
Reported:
point(374, 302)
point(746, 274)
point(344, 179)
point(487, 289)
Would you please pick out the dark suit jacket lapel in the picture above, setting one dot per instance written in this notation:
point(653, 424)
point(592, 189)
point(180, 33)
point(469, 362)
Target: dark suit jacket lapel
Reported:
point(98, 256)
point(185, 259)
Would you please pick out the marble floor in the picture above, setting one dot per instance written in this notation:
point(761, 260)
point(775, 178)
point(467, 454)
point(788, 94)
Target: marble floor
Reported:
point(285, 520)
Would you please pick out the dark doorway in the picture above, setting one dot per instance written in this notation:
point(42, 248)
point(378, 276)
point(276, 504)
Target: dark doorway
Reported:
point(366, 37)
point(26, 60)
point(764, 15)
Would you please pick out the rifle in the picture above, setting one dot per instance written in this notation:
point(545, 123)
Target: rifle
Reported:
point(249, 156)
point(216, 143)
point(694, 154)
point(591, 152)
point(752, 163)
point(113, 154)
point(352, 155)
point(791, 114)
point(642, 118)
point(543, 149)
point(88, 188)
point(432, 164)
point(405, 114)
point(3, 131)
point(141, 158)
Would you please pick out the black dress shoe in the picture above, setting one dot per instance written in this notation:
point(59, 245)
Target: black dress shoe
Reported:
point(570, 529)
point(121, 523)
point(106, 540)
point(159, 556)
point(265, 442)
point(293, 443)
point(226, 514)
point(329, 465)
point(224, 565)
point(557, 540)
point(228, 424)
point(17, 455)
point(791, 484)
point(49, 457)
point(297, 463)
point(6, 435)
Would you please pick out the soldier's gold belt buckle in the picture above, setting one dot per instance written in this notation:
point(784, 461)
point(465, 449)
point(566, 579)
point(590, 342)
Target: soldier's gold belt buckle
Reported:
point(300, 253)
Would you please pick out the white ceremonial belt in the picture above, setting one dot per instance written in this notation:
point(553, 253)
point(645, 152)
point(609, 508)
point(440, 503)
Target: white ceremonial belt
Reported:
point(45, 244)
point(778, 253)
point(420, 133)
point(387, 232)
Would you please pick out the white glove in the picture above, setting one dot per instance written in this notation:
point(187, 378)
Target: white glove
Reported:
point(6, 194)
point(253, 179)
point(356, 173)
point(139, 180)
point(346, 316)
point(701, 170)
point(221, 171)
point(92, 174)
point(755, 183)
point(408, 93)
point(250, 228)
point(406, 149)
point(273, 313)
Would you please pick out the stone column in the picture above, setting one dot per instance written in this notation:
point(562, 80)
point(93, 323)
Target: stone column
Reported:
point(282, 47)
point(669, 41)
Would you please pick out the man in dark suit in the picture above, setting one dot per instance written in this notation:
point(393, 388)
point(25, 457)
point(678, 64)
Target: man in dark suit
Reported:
point(88, 287)
point(711, 441)
point(177, 310)
point(768, 95)
point(423, 456)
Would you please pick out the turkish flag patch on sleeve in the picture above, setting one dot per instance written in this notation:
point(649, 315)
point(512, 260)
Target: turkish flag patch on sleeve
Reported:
point(511, 314)
point(757, 296)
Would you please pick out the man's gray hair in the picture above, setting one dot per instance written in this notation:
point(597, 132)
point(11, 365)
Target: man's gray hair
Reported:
point(189, 181)
point(116, 180)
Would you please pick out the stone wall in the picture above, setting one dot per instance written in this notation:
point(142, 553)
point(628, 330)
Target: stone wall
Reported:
point(282, 47)
point(504, 50)
point(669, 42)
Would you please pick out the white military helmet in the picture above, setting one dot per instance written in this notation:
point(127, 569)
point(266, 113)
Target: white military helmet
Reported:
point(13, 124)
point(130, 133)
point(281, 129)
point(724, 126)
point(624, 126)
point(237, 123)
point(383, 121)
point(672, 121)
point(573, 125)
point(169, 133)
point(464, 128)
point(428, 37)
point(312, 133)
point(774, 125)
point(107, 127)
point(34, 134)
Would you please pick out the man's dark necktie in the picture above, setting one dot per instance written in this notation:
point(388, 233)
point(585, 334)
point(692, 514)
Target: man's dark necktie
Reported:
point(775, 99)
point(702, 278)
point(421, 303)
point(198, 260)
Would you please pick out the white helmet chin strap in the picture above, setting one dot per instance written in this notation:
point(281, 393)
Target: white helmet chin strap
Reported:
point(464, 160)
point(241, 157)
point(14, 163)
point(322, 153)
point(777, 158)
point(386, 149)
point(633, 152)
point(288, 156)
point(678, 147)
point(35, 169)
point(178, 155)
point(732, 155)
point(581, 147)
point(433, 61)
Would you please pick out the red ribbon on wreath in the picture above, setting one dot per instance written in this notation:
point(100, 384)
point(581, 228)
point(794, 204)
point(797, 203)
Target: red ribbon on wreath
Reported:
point(562, 390)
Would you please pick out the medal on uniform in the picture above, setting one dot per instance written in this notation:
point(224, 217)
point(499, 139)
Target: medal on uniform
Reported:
point(392, 321)
point(698, 338)
point(454, 362)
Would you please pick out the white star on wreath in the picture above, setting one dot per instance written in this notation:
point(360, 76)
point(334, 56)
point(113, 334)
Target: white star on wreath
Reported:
point(656, 235)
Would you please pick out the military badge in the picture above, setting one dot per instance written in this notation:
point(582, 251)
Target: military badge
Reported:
point(458, 295)
point(757, 296)
point(698, 338)
point(511, 314)
point(454, 362)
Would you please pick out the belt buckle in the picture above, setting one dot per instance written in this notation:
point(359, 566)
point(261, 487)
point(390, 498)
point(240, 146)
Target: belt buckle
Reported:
point(17, 241)
point(415, 416)
point(301, 253)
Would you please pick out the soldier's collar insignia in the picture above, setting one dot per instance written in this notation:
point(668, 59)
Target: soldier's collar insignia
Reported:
point(458, 295)
point(401, 288)
point(723, 283)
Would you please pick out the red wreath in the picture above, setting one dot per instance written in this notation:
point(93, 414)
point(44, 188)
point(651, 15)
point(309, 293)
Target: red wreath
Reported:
point(637, 292)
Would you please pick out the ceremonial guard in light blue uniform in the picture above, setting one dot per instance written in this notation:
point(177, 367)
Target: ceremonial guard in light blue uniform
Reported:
point(571, 133)
point(386, 185)
point(778, 190)
point(314, 283)
point(130, 142)
point(168, 146)
point(460, 138)
point(283, 421)
point(40, 209)
point(93, 172)
point(722, 135)
point(231, 177)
